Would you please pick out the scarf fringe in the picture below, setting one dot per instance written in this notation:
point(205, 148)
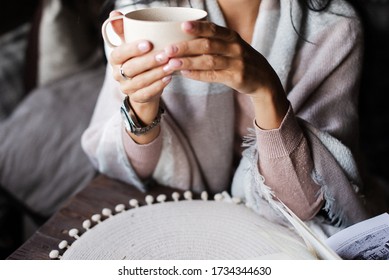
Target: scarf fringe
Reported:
point(259, 190)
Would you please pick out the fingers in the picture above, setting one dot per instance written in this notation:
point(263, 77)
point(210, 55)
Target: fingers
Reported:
point(127, 51)
point(140, 64)
point(117, 25)
point(203, 62)
point(212, 39)
point(209, 30)
point(202, 46)
point(227, 71)
point(150, 92)
point(143, 80)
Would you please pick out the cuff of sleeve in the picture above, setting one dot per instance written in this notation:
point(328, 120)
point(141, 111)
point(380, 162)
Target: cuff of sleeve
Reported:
point(282, 141)
point(142, 154)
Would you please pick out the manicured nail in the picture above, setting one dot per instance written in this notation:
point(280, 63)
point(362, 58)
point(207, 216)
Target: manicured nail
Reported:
point(166, 79)
point(144, 46)
point(187, 25)
point(171, 50)
point(161, 57)
point(174, 63)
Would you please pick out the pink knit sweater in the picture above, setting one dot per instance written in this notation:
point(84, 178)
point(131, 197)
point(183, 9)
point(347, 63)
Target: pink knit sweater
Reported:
point(204, 124)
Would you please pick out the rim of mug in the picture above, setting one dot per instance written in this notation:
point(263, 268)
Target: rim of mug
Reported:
point(200, 14)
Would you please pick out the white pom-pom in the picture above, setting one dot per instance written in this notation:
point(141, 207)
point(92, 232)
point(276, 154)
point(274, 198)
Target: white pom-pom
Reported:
point(226, 196)
point(133, 203)
point(63, 244)
point(218, 197)
point(204, 195)
point(120, 208)
point(175, 196)
point(236, 200)
point(74, 233)
point(149, 199)
point(188, 195)
point(86, 224)
point(54, 254)
point(161, 198)
point(96, 218)
point(106, 212)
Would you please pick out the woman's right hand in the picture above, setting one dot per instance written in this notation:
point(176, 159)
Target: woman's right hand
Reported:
point(144, 78)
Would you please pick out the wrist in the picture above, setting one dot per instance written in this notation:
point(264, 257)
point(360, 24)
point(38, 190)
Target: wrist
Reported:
point(142, 131)
point(270, 106)
point(145, 112)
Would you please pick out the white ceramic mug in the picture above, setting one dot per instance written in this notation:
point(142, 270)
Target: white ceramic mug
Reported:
point(161, 26)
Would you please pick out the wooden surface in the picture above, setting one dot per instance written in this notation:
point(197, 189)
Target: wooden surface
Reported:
point(102, 192)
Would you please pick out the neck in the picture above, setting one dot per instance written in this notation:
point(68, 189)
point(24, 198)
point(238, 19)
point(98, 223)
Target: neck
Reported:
point(240, 15)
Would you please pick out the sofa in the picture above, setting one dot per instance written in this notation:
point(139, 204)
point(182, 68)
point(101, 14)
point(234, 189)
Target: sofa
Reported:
point(52, 69)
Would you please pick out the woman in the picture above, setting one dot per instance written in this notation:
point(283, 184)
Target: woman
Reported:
point(285, 70)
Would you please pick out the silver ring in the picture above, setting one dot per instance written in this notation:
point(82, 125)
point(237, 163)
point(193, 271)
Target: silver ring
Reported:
point(122, 73)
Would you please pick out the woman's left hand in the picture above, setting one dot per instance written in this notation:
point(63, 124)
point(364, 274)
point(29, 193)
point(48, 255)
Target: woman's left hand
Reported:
point(220, 55)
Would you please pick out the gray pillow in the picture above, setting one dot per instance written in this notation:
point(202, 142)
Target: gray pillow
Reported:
point(41, 159)
point(12, 56)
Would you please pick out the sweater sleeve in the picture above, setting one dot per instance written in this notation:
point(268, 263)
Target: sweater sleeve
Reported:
point(324, 92)
point(144, 158)
point(286, 166)
point(110, 148)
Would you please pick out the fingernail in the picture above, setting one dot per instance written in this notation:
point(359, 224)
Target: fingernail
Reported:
point(144, 46)
point(175, 63)
point(171, 50)
point(161, 57)
point(187, 25)
point(167, 79)
point(166, 68)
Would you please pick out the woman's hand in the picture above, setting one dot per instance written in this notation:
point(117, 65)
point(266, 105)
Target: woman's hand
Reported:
point(139, 70)
point(221, 55)
point(144, 77)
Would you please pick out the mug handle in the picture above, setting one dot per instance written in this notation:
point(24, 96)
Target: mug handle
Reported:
point(104, 30)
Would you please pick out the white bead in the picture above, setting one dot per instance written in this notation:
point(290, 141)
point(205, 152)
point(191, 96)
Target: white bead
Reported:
point(86, 224)
point(218, 197)
point(176, 196)
point(106, 212)
point(73, 233)
point(188, 195)
point(54, 254)
point(133, 203)
point(63, 244)
point(161, 198)
point(96, 218)
point(120, 208)
point(204, 195)
point(149, 199)
point(226, 196)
